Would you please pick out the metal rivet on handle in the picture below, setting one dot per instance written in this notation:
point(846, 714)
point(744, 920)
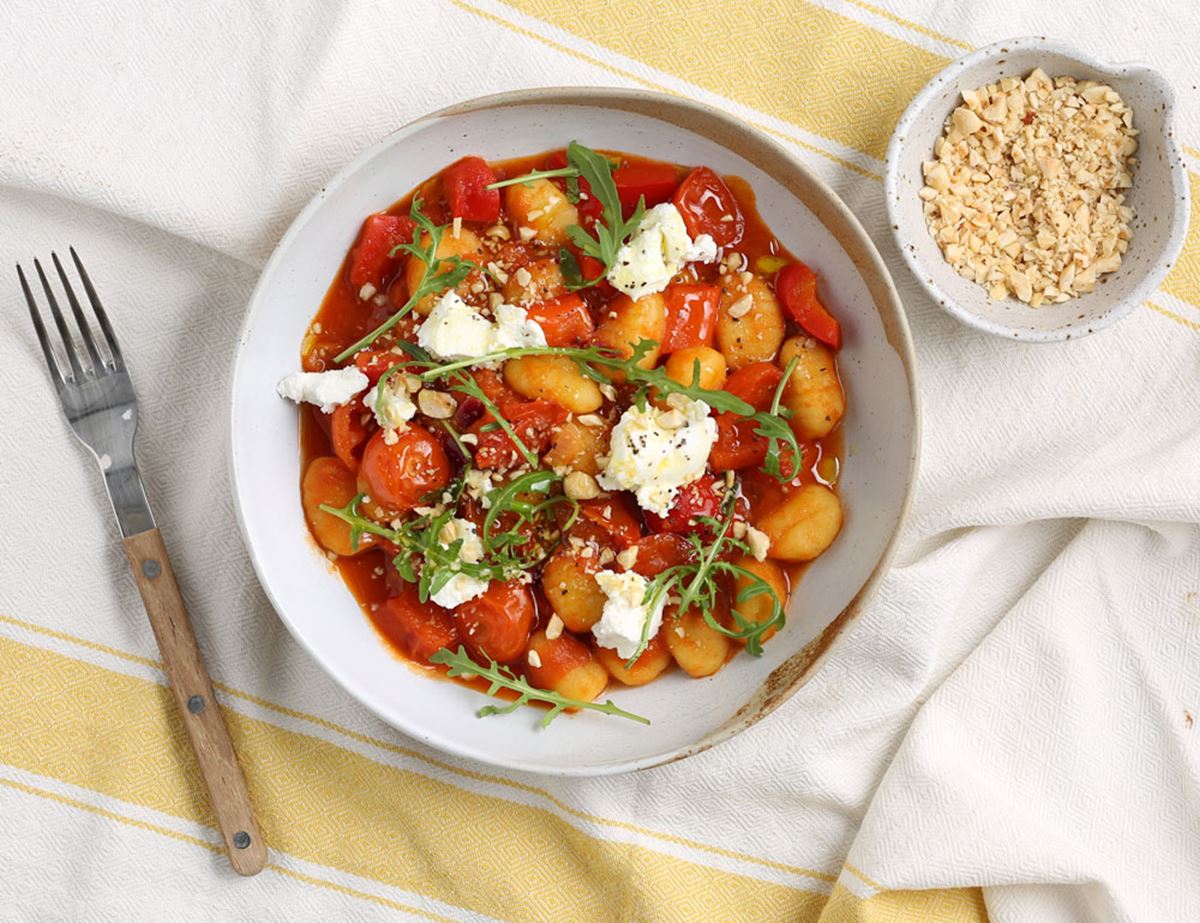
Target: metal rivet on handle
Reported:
point(151, 568)
point(196, 704)
point(241, 839)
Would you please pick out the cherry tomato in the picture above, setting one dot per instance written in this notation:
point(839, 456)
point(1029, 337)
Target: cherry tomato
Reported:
point(397, 476)
point(755, 383)
point(466, 183)
point(658, 552)
point(615, 523)
point(419, 629)
point(565, 320)
point(691, 316)
point(705, 201)
point(738, 445)
point(374, 362)
point(698, 498)
point(534, 423)
point(496, 625)
point(655, 182)
point(371, 260)
point(347, 432)
point(494, 387)
point(796, 286)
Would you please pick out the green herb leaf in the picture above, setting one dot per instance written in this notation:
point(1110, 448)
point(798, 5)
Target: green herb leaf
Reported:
point(611, 229)
point(595, 362)
point(526, 178)
point(440, 273)
point(773, 426)
point(501, 677)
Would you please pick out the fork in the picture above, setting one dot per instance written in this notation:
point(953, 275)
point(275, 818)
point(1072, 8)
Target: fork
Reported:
point(96, 394)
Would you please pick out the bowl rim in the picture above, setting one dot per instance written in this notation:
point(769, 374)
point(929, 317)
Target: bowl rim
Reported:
point(1155, 272)
point(818, 650)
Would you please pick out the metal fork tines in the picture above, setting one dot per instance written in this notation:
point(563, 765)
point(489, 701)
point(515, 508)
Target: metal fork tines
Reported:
point(94, 389)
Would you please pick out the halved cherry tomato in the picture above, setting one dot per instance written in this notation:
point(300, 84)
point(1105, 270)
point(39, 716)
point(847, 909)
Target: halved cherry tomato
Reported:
point(708, 207)
point(565, 320)
point(493, 386)
point(374, 362)
point(796, 286)
point(691, 316)
point(533, 422)
point(420, 629)
point(699, 498)
point(466, 183)
point(496, 625)
point(371, 260)
point(397, 476)
point(347, 432)
point(658, 552)
point(755, 383)
point(654, 181)
point(616, 523)
point(738, 445)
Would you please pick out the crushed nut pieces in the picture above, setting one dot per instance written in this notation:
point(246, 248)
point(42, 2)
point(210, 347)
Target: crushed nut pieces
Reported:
point(1025, 194)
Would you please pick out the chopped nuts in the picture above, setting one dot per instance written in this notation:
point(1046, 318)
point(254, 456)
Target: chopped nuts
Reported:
point(367, 292)
point(436, 405)
point(579, 485)
point(741, 307)
point(1025, 194)
point(627, 557)
point(554, 628)
point(590, 419)
point(526, 234)
point(523, 277)
point(534, 660)
point(758, 543)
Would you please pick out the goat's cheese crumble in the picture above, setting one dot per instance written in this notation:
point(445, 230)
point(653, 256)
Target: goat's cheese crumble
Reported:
point(328, 390)
point(655, 452)
point(624, 615)
point(461, 587)
point(391, 403)
point(658, 250)
point(455, 330)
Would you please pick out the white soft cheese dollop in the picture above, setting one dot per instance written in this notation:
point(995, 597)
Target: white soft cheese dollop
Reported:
point(658, 250)
point(328, 390)
point(655, 452)
point(390, 402)
point(461, 587)
point(624, 615)
point(455, 330)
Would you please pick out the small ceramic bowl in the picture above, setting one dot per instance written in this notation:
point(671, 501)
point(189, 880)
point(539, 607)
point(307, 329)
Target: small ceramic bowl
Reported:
point(1159, 195)
point(882, 433)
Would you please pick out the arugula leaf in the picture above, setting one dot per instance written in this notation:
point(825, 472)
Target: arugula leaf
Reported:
point(773, 426)
point(595, 362)
point(501, 677)
point(571, 173)
point(698, 583)
point(611, 229)
point(440, 273)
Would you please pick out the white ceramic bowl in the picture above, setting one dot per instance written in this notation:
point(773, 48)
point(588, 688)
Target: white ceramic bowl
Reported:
point(688, 715)
point(1159, 195)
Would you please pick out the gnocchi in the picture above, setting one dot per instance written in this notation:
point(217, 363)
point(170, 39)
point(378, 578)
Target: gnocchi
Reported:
point(804, 524)
point(814, 393)
point(554, 378)
point(543, 208)
point(466, 245)
point(750, 324)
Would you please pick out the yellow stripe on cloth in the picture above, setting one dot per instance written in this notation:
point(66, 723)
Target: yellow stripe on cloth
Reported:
point(119, 735)
point(944, 905)
point(824, 72)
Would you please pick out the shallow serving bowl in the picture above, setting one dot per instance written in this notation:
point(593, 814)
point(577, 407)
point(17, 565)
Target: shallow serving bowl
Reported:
point(1159, 195)
point(881, 431)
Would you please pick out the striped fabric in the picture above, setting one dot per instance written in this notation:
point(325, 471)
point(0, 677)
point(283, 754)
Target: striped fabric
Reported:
point(941, 767)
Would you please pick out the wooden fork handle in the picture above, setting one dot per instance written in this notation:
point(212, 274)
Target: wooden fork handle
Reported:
point(227, 792)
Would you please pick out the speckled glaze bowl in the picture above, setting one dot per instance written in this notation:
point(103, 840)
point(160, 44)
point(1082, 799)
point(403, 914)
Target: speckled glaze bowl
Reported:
point(881, 426)
point(1159, 195)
